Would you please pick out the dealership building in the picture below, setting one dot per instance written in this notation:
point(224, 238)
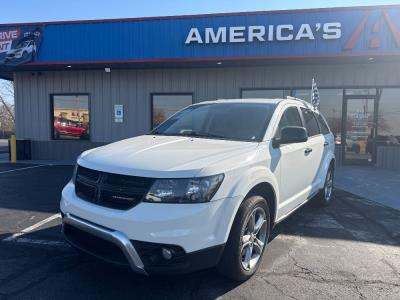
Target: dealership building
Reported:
point(82, 84)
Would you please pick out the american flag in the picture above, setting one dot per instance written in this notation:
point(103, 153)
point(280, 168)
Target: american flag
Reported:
point(314, 94)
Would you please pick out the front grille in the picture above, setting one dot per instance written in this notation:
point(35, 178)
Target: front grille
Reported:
point(111, 190)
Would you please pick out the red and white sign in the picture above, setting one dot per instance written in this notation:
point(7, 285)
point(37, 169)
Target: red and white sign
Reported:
point(6, 39)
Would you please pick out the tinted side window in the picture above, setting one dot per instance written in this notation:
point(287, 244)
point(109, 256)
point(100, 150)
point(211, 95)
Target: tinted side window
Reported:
point(322, 124)
point(290, 117)
point(311, 122)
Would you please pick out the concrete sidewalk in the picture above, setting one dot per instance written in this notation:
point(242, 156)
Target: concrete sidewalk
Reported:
point(379, 185)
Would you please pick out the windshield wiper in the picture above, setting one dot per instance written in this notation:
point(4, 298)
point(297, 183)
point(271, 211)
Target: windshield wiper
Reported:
point(198, 135)
point(207, 135)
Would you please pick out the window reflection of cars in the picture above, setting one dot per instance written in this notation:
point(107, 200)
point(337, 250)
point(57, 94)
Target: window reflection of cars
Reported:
point(69, 128)
point(22, 50)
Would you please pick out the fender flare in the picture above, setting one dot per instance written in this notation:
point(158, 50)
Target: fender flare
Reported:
point(251, 178)
point(325, 166)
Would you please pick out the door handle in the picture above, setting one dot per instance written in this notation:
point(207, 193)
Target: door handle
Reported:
point(307, 151)
point(326, 144)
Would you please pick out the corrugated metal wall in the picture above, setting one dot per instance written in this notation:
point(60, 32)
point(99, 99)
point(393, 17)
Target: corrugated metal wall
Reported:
point(388, 157)
point(132, 88)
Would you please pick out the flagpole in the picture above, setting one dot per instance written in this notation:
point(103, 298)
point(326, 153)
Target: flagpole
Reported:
point(314, 95)
point(312, 90)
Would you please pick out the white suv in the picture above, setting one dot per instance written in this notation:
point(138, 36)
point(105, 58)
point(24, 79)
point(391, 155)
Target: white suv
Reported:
point(203, 189)
point(22, 50)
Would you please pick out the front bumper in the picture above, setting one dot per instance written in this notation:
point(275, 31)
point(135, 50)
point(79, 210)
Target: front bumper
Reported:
point(115, 237)
point(114, 247)
point(196, 232)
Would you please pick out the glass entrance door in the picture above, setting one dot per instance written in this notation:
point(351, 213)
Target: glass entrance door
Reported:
point(359, 129)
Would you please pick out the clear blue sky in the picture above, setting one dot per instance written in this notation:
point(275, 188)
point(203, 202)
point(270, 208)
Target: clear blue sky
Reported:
point(58, 10)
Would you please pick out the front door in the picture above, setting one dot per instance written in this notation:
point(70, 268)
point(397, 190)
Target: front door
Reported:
point(293, 165)
point(359, 131)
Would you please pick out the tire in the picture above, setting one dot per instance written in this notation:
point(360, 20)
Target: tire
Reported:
point(24, 55)
point(239, 262)
point(324, 197)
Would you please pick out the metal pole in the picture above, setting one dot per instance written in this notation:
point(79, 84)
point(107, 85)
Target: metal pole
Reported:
point(13, 148)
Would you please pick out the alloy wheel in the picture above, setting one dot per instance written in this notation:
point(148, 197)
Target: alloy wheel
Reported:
point(253, 238)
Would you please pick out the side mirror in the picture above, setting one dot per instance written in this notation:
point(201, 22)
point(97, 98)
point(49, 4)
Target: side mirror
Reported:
point(291, 135)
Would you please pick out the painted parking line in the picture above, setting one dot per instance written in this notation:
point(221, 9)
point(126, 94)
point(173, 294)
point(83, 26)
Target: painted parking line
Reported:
point(31, 228)
point(19, 238)
point(21, 169)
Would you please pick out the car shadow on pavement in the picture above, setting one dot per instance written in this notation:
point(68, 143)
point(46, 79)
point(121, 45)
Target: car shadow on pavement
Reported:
point(348, 217)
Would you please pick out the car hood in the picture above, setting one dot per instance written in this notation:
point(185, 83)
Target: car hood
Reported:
point(162, 156)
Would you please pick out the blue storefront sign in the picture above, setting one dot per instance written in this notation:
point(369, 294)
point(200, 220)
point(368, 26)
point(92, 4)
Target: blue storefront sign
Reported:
point(363, 31)
point(19, 45)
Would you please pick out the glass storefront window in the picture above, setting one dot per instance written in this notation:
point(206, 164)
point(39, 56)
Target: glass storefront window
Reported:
point(359, 129)
point(302, 94)
point(164, 106)
point(265, 93)
point(388, 131)
point(362, 92)
point(70, 117)
point(330, 106)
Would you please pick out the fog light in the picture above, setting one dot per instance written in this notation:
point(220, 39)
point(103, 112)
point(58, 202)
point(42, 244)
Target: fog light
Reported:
point(166, 253)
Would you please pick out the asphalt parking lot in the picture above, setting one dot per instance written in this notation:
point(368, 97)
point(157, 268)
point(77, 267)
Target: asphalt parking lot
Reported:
point(350, 250)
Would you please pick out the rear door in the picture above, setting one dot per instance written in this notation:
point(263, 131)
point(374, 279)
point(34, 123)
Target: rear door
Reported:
point(314, 151)
point(329, 141)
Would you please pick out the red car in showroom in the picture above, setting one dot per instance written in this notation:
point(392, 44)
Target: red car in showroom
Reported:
point(69, 128)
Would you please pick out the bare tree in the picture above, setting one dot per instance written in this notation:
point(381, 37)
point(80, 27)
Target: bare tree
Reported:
point(7, 114)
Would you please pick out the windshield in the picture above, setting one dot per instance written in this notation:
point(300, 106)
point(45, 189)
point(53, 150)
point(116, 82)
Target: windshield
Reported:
point(229, 121)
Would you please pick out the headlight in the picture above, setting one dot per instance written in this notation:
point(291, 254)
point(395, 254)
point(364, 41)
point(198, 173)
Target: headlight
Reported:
point(186, 190)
